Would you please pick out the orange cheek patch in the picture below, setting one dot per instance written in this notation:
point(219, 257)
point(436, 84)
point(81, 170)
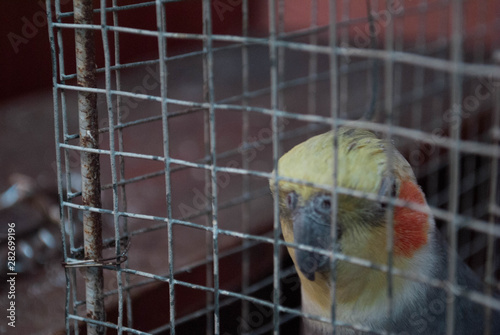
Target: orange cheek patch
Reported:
point(410, 226)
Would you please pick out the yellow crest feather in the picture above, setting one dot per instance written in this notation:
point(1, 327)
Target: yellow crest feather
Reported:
point(362, 160)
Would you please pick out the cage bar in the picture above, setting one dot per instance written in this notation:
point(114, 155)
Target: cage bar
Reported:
point(90, 167)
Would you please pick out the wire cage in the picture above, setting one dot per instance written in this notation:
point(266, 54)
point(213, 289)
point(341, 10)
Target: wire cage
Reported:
point(170, 117)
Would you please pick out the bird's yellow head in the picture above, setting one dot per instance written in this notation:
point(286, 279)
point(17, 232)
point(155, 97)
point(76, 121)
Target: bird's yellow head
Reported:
point(364, 163)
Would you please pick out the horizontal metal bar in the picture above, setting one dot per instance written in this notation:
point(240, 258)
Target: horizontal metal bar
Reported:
point(441, 65)
point(106, 324)
point(120, 8)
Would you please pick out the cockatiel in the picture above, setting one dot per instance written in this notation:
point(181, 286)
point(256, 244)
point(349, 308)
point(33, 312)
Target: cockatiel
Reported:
point(361, 292)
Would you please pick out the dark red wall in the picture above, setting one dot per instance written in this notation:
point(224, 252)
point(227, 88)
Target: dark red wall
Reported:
point(25, 61)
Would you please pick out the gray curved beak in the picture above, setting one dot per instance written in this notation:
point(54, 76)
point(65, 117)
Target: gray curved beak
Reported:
point(310, 228)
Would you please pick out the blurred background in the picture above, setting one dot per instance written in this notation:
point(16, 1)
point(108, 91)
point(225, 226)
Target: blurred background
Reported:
point(28, 178)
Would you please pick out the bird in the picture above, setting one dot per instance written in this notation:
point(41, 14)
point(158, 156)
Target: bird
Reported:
point(368, 164)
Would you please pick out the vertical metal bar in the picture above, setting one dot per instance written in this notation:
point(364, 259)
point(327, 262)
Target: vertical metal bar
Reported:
point(281, 53)
point(313, 61)
point(418, 80)
point(280, 103)
point(245, 210)
point(69, 224)
point(162, 55)
point(121, 162)
point(389, 68)
point(209, 268)
point(398, 34)
point(334, 113)
point(372, 76)
point(389, 120)
point(493, 202)
point(90, 167)
point(112, 157)
point(274, 106)
point(210, 98)
point(438, 103)
point(471, 164)
point(373, 81)
point(344, 61)
point(57, 137)
point(479, 41)
point(454, 155)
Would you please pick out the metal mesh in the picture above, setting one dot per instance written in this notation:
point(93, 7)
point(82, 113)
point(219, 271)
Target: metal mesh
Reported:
point(188, 139)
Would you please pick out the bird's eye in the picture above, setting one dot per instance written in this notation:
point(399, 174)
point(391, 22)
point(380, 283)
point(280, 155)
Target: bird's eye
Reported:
point(291, 200)
point(323, 204)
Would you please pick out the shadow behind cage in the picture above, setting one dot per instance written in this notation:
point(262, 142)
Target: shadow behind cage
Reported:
point(167, 133)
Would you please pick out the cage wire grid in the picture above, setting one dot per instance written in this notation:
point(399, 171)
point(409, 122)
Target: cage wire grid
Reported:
point(442, 59)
